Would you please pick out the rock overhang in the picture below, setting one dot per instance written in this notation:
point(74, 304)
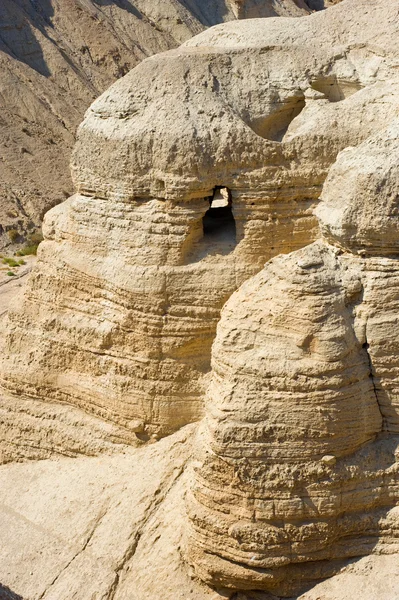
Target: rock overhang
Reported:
point(207, 114)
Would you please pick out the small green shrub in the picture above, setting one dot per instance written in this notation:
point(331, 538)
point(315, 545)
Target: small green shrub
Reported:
point(32, 242)
point(11, 262)
point(22, 262)
point(10, 274)
point(27, 250)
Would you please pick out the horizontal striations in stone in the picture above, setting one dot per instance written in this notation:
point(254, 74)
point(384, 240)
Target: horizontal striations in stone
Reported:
point(121, 311)
point(298, 458)
point(288, 470)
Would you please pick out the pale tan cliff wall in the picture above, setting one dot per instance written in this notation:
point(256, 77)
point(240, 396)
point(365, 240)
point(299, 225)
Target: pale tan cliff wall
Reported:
point(120, 314)
point(297, 457)
point(56, 56)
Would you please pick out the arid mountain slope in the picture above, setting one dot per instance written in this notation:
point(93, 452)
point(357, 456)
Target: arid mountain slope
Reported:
point(56, 56)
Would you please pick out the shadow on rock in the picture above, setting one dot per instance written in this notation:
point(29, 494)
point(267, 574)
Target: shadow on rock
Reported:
point(7, 594)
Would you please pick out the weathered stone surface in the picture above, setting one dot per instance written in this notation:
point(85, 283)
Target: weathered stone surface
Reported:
point(294, 466)
point(299, 451)
point(359, 211)
point(371, 578)
point(121, 311)
point(56, 56)
point(104, 528)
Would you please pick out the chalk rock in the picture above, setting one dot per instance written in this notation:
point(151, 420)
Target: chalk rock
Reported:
point(298, 456)
point(370, 578)
point(56, 57)
point(359, 211)
point(120, 313)
point(89, 527)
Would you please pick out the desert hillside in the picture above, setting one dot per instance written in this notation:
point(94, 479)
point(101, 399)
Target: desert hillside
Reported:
point(199, 375)
point(56, 56)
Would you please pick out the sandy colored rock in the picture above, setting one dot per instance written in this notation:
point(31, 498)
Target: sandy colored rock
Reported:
point(292, 472)
point(298, 455)
point(371, 578)
point(122, 308)
point(84, 528)
point(352, 195)
point(134, 279)
point(113, 527)
point(56, 56)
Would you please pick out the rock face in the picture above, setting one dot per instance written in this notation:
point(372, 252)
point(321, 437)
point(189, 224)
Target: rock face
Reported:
point(56, 56)
point(299, 450)
point(84, 528)
point(190, 173)
point(369, 578)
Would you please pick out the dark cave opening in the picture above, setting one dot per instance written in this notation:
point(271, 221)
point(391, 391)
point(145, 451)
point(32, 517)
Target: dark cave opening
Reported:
point(218, 222)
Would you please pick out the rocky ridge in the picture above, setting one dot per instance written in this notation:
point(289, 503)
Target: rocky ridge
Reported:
point(292, 469)
point(56, 56)
point(299, 450)
point(121, 311)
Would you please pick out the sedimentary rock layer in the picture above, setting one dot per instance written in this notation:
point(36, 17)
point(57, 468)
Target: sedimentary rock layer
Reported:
point(121, 311)
point(56, 56)
point(298, 454)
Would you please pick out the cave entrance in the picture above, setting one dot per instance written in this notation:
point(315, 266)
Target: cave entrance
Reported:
point(218, 222)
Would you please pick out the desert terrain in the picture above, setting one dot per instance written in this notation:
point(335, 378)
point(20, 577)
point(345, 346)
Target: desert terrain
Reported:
point(199, 385)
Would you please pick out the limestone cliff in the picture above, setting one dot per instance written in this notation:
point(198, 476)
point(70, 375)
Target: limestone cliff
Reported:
point(298, 456)
point(190, 172)
point(56, 56)
point(262, 141)
point(295, 463)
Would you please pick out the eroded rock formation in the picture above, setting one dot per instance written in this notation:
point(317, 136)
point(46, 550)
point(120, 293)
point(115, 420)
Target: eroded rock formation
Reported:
point(299, 450)
point(190, 173)
point(56, 56)
point(121, 311)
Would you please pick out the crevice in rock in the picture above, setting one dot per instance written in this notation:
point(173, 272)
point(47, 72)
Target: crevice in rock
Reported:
point(7, 594)
point(159, 497)
point(370, 363)
point(83, 548)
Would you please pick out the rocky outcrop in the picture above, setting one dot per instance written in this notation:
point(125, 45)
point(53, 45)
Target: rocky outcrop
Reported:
point(56, 56)
point(106, 528)
point(113, 527)
point(299, 451)
point(190, 173)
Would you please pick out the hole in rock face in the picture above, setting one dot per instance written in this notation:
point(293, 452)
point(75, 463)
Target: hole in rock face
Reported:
point(218, 235)
point(274, 125)
point(334, 89)
point(218, 222)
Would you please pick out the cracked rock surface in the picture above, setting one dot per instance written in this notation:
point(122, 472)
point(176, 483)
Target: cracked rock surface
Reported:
point(107, 528)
